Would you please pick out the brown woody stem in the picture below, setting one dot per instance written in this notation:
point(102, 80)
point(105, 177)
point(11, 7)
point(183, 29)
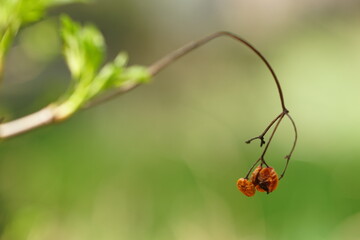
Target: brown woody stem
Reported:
point(47, 115)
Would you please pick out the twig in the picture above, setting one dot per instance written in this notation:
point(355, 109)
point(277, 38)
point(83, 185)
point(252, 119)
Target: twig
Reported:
point(271, 137)
point(261, 136)
point(47, 115)
point(159, 65)
point(25, 124)
point(287, 157)
point(252, 167)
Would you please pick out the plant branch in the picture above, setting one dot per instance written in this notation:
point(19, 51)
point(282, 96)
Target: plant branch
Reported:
point(25, 124)
point(252, 167)
point(287, 157)
point(170, 58)
point(271, 137)
point(48, 116)
point(277, 120)
point(261, 136)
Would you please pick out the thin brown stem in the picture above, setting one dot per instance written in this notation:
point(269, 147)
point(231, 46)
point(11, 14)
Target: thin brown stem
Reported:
point(278, 120)
point(159, 65)
point(261, 136)
point(287, 157)
point(271, 137)
point(252, 167)
point(170, 58)
point(123, 89)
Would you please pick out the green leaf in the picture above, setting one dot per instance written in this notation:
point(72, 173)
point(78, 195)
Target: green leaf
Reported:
point(121, 59)
point(116, 74)
point(138, 74)
point(103, 80)
point(83, 49)
point(5, 42)
point(84, 52)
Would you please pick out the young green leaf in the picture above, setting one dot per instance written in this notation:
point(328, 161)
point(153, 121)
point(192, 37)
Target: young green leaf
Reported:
point(83, 49)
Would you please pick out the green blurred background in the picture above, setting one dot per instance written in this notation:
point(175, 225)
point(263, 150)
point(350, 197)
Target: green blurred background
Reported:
point(162, 161)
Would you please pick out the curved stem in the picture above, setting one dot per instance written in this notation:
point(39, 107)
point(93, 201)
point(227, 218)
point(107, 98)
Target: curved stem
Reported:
point(159, 65)
point(271, 137)
point(287, 157)
point(170, 58)
point(46, 116)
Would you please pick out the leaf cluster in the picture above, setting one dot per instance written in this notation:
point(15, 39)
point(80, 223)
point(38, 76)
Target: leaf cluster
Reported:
point(84, 51)
point(83, 48)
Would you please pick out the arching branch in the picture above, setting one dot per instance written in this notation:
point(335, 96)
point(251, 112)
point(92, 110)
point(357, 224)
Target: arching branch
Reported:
point(47, 115)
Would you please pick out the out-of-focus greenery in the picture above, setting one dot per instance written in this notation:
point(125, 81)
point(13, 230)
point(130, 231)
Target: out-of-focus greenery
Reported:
point(17, 13)
point(161, 162)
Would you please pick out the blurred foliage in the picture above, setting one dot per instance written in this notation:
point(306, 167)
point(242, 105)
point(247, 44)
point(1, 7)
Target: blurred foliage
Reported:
point(16, 13)
point(161, 162)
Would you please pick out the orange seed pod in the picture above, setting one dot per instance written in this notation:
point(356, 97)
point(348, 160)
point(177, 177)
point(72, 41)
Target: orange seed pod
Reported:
point(255, 175)
point(265, 179)
point(246, 187)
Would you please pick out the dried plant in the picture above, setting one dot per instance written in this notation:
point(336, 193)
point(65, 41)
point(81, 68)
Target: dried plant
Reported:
point(84, 48)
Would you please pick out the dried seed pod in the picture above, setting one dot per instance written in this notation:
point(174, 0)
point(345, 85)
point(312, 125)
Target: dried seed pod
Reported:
point(265, 179)
point(255, 175)
point(246, 187)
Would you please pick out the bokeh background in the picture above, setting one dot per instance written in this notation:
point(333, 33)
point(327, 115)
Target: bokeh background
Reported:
point(161, 162)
